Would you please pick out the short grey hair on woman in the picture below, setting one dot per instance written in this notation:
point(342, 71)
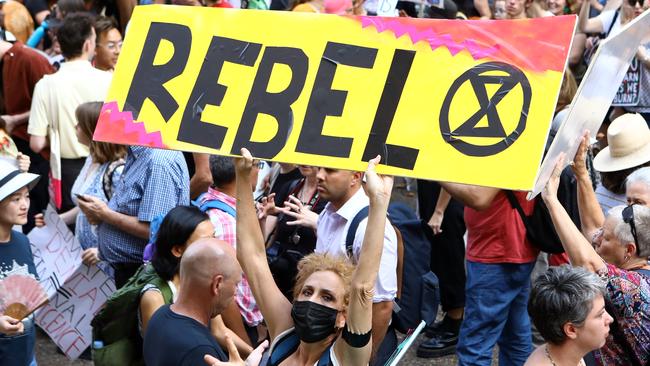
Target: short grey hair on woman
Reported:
point(562, 295)
point(638, 176)
point(623, 231)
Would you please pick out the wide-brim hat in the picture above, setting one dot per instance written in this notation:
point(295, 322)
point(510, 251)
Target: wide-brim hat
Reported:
point(629, 144)
point(12, 179)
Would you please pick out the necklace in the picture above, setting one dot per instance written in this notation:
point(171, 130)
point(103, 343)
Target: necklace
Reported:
point(548, 354)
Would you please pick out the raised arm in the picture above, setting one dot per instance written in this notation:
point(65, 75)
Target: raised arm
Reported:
point(359, 316)
point(586, 24)
point(591, 215)
point(476, 197)
point(580, 251)
point(252, 254)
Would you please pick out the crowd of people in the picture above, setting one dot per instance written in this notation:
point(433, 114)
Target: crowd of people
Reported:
point(238, 261)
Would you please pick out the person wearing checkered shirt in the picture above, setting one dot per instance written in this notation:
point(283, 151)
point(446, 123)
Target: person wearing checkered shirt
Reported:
point(153, 182)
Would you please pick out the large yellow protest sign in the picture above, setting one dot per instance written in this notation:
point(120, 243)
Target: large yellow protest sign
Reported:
point(462, 101)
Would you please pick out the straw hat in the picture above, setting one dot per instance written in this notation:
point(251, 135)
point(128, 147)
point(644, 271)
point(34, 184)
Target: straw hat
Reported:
point(11, 179)
point(629, 144)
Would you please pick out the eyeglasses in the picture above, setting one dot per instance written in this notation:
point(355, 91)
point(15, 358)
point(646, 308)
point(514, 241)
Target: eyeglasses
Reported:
point(634, 2)
point(628, 218)
point(112, 46)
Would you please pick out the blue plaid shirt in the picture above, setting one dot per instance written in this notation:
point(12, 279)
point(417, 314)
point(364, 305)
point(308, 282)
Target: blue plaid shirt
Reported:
point(153, 182)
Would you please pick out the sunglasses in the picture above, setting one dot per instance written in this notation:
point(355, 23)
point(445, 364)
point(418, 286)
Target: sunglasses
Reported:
point(634, 2)
point(628, 218)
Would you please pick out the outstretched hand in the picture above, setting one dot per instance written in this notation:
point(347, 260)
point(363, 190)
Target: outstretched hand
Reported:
point(377, 187)
point(302, 214)
point(550, 190)
point(235, 359)
point(266, 207)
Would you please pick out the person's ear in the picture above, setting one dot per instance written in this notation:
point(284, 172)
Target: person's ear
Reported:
point(630, 250)
point(570, 330)
point(86, 46)
point(356, 178)
point(217, 282)
point(178, 250)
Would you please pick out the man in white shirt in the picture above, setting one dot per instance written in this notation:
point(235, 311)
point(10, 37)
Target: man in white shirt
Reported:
point(342, 188)
point(52, 118)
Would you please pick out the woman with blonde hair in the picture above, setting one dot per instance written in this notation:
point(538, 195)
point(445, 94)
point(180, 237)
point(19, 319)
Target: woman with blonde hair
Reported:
point(330, 320)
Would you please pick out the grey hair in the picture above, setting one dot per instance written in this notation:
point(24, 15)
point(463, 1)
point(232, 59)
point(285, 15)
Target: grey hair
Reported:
point(623, 231)
point(562, 295)
point(638, 176)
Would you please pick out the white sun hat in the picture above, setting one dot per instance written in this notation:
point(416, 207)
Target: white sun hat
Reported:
point(629, 144)
point(12, 179)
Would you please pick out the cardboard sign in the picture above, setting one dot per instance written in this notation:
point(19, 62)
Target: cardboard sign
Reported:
point(66, 318)
point(595, 94)
point(461, 101)
point(57, 253)
point(76, 291)
point(629, 91)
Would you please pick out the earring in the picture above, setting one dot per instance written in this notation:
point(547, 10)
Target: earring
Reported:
point(627, 258)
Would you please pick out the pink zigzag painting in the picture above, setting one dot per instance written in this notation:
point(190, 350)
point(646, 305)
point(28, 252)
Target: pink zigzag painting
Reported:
point(119, 127)
point(434, 39)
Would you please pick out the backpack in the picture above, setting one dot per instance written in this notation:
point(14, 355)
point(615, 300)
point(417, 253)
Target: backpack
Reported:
point(116, 324)
point(157, 221)
point(418, 295)
point(211, 204)
point(540, 230)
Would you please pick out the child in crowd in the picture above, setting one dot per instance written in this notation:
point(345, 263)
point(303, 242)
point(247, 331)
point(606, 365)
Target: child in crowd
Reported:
point(17, 337)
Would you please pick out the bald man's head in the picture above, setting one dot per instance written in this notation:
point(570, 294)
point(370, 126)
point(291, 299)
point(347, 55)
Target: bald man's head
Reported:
point(209, 266)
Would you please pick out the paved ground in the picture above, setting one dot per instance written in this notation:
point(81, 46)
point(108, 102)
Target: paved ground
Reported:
point(46, 353)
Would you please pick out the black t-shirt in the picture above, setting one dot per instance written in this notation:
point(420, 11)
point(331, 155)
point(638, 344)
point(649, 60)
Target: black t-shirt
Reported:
point(16, 258)
point(281, 180)
point(297, 238)
point(175, 340)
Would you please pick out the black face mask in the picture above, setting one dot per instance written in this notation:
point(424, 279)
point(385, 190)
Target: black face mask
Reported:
point(313, 322)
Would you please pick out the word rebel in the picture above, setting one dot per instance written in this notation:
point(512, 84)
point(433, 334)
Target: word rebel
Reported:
point(324, 100)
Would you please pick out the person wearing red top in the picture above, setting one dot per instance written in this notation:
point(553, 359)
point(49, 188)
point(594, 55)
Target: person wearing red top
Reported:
point(499, 263)
point(22, 67)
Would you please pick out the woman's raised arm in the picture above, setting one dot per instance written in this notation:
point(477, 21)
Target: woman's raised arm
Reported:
point(252, 254)
point(359, 317)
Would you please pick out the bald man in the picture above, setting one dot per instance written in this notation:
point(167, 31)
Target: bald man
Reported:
point(178, 334)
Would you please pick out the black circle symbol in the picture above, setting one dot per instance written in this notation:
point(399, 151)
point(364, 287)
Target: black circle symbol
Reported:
point(488, 108)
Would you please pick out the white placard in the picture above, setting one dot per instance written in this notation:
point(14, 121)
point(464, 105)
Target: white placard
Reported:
point(595, 94)
point(76, 291)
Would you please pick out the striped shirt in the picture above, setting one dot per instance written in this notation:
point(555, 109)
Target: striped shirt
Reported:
point(225, 229)
point(153, 182)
